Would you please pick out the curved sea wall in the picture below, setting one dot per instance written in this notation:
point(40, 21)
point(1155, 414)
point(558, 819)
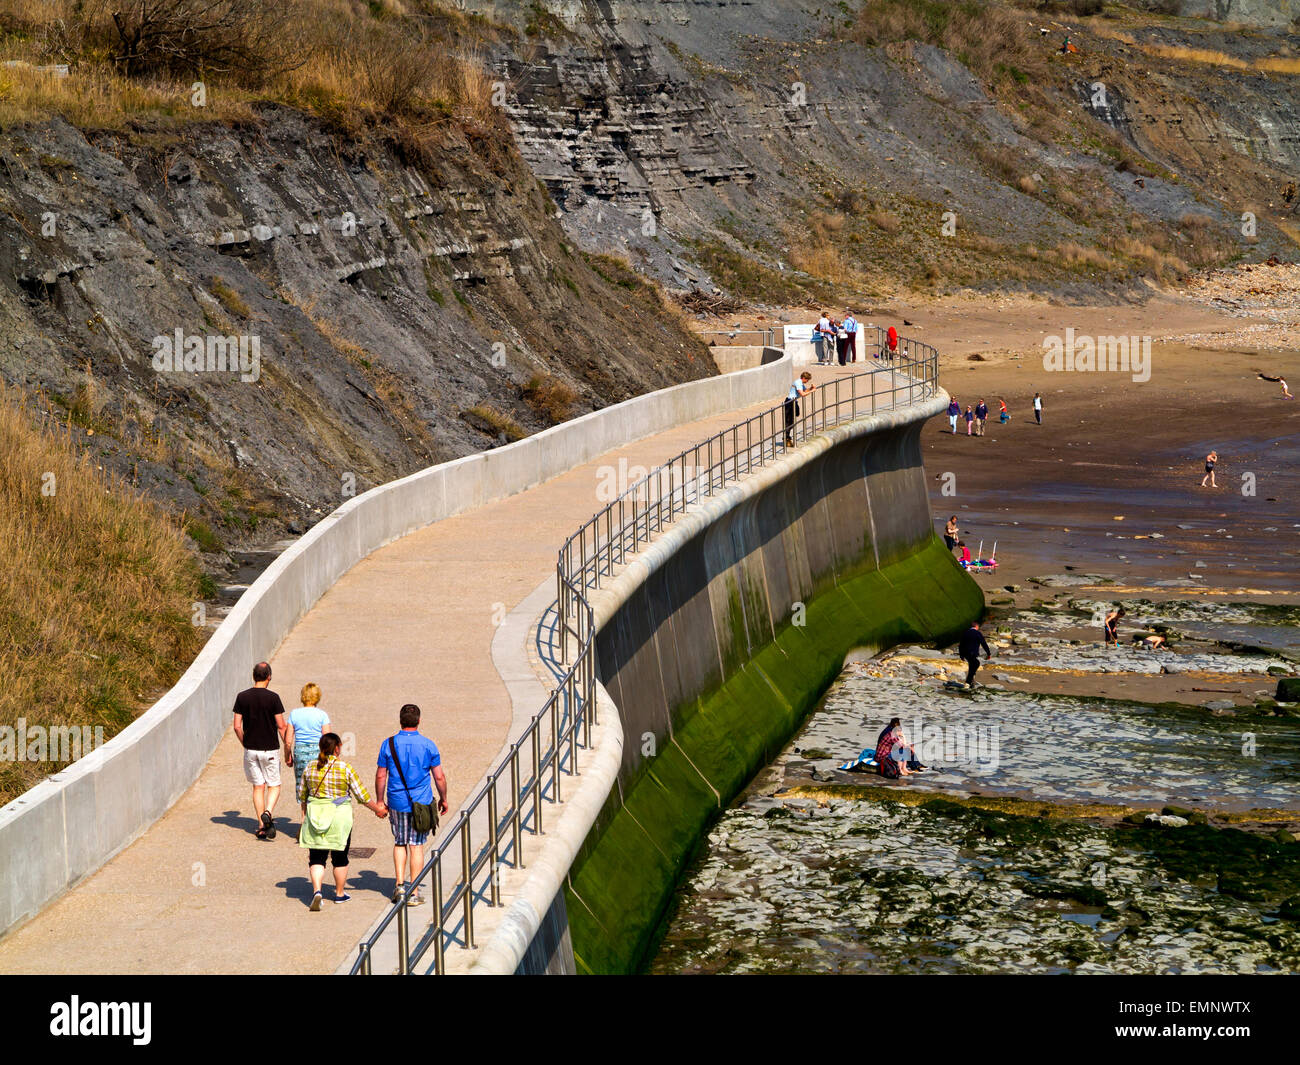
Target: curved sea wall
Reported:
point(70, 824)
point(717, 641)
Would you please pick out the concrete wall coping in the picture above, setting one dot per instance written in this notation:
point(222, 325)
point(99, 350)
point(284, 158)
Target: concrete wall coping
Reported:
point(66, 827)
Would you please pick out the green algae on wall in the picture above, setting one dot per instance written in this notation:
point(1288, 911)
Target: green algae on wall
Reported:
point(620, 889)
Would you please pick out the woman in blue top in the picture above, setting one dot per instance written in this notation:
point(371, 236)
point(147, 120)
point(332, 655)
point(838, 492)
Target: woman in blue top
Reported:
point(954, 412)
point(306, 726)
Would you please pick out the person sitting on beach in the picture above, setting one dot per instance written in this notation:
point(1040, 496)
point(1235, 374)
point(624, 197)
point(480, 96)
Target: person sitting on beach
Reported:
point(964, 558)
point(1111, 626)
point(892, 751)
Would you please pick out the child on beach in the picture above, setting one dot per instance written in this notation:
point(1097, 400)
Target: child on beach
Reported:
point(970, 419)
point(1003, 416)
point(1210, 460)
point(964, 558)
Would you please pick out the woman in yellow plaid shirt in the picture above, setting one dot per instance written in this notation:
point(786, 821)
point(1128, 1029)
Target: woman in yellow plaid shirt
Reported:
point(326, 792)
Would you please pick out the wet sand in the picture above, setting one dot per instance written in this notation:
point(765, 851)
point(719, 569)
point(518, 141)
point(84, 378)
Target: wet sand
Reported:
point(1106, 481)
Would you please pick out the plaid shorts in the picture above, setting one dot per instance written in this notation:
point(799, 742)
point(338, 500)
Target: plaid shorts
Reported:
point(404, 834)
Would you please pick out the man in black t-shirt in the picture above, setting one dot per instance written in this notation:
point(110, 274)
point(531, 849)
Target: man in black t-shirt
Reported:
point(260, 726)
point(972, 641)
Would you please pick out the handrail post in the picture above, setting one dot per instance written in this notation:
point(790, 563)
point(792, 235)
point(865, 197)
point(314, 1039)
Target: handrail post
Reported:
point(573, 723)
point(537, 781)
point(561, 613)
point(555, 749)
point(467, 871)
point(493, 841)
point(403, 939)
point(516, 805)
point(439, 931)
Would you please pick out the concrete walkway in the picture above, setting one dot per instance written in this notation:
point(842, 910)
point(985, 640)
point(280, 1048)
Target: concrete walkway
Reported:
point(414, 622)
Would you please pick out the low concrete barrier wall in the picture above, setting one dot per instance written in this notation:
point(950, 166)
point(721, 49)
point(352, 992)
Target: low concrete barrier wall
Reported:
point(730, 358)
point(66, 827)
point(699, 649)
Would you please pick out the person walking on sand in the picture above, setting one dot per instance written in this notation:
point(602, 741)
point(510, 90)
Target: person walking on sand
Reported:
point(259, 716)
point(1286, 392)
point(981, 416)
point(1038, 408)
point(970, 419)
point(307, 724)
point(1211, 460)
point(1111, 627)
point(406, 762)
point(954, 412)
point(823, 335)
point(972, 641)
point(325, 792)
point(1004, 415)
point(798, 390)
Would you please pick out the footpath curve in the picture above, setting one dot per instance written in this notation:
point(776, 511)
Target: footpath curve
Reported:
point(414, 621)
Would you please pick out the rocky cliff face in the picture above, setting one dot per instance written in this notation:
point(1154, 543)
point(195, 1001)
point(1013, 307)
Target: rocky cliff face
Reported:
point(1273, 14)
point(391, 311)
point(408, 306)
point(661, 127)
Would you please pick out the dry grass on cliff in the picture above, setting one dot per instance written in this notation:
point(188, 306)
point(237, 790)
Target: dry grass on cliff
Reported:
point(96, 592)
point(349, 61)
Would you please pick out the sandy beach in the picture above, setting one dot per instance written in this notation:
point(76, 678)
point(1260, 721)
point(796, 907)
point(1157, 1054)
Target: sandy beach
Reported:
point(1110, 482)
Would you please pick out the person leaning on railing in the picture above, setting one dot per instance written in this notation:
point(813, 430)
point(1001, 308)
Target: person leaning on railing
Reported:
point(798, 390)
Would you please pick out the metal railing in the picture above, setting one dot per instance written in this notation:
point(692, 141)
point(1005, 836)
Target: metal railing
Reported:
point(763, 337)
point(533, 771)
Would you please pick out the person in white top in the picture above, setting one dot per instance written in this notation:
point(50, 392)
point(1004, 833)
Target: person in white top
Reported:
point(798, 390)
point(821, 333)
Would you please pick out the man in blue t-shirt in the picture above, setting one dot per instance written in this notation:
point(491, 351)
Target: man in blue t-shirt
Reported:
point(417, 758)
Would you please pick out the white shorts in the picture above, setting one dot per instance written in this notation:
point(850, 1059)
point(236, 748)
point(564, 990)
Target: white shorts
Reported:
point(262, 767)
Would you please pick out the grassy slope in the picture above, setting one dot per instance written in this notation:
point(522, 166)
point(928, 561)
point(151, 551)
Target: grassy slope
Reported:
point(96, 593)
